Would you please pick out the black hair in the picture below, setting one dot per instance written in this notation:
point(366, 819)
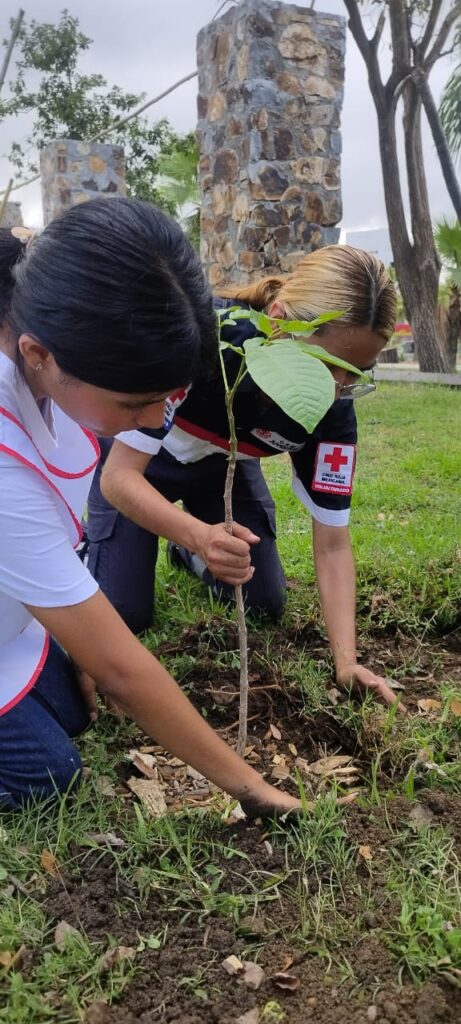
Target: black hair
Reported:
point(11, 250)
point(115, 291)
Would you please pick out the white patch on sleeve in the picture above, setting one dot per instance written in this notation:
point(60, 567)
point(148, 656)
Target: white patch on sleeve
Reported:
point(141, 442)
point(275, 440)
point(334, 468)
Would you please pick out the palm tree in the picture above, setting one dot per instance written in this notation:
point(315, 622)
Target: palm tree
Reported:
point(179, 184)
point(450, 112)
point(448, 242)
point(450, 105)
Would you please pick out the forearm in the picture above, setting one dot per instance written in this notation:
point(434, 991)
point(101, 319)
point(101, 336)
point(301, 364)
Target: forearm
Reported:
point(137, 499)
point(128, 674)
point(159, 707)
point(335, 571)
point(123, 483)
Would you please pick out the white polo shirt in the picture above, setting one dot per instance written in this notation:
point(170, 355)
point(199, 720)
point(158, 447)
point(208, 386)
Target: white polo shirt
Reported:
point(46, 468)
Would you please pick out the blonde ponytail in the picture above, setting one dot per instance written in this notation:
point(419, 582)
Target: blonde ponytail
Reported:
point(335, 278)
point(258, 295)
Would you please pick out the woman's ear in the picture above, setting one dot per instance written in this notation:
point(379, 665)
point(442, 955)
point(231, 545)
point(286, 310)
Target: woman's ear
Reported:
point(33, 353)
point(276, 310)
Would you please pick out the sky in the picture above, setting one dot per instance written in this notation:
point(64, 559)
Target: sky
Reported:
point(146, 45)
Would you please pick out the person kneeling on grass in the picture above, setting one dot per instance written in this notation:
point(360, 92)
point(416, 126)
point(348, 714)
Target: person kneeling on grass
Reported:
point(186, 459)
point(109, 314)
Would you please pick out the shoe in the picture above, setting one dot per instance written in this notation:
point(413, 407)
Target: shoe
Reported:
point(177, 556)
point(181, 558)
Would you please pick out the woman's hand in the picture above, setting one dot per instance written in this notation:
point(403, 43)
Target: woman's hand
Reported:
point(270, 802)
point(87, 688)
point(227, 555)
point(357, 677)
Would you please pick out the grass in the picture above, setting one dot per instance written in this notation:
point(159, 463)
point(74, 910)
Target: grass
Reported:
point(406, 516)
point(308, 883)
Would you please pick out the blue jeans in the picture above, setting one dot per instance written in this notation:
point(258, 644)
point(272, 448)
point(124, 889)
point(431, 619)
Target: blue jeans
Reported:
point(37, 757)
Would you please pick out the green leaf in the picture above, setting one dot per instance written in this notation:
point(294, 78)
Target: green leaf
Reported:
point(227, 344)
point(225, 310)
point(261, 321)
point(300, 384)
point(455, 276)
point(307, 326)
point(326, 357)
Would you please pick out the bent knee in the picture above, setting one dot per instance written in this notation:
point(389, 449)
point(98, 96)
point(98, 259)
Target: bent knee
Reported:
point(270, 602)
point(65, 773)
point(49, 776)
point(271, 605)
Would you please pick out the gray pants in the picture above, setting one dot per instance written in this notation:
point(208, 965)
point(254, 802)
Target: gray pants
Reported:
point(122, 555)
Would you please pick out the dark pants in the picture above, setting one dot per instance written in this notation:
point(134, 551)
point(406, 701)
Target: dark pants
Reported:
point(37, 757)
point(122, 556)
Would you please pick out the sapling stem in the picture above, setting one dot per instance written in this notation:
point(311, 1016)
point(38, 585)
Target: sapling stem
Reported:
point(228, 519)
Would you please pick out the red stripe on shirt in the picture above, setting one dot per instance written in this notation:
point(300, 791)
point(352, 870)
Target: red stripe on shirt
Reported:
point(54, 469)
point(33, 679)
point(30, 465)
point(220, 442)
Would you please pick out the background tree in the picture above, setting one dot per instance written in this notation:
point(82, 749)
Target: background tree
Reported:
point(448, 241)
point(450, 106)
point(67, 103)
point(179, 183)
point(419, 32)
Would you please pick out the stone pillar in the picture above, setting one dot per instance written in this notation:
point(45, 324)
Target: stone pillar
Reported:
point(12, 216)
point(73, 172)
point(270, 94)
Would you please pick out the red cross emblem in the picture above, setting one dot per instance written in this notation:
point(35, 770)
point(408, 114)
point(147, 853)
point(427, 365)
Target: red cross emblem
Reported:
point(336, 460)
point(334, 468)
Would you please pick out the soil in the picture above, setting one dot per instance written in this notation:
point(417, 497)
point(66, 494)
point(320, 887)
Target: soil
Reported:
point(362, 984)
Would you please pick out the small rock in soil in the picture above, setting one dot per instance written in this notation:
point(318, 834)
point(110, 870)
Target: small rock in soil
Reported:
point(372, 1013)
point(232, 965)
point(250, 1017)
point(370, 920)
point(253, 975)
point(391, 1010)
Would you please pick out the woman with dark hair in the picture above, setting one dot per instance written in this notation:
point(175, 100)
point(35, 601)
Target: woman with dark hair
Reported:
point(146, 470)
point(109, 315)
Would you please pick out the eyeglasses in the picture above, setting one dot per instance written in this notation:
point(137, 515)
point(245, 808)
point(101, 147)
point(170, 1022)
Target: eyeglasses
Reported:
point(351, 391)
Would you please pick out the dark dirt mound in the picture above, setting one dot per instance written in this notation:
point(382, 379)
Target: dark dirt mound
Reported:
point(184, 981)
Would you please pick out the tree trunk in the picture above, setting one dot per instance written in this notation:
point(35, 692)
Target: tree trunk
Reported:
point(446, 163)
point(418, 284)
point(424, 302)
point(417, 265)
point(400, 242)
point(453, 326)
point(431, 358)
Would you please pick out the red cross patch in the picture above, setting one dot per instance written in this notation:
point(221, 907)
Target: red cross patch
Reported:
point(334, 468)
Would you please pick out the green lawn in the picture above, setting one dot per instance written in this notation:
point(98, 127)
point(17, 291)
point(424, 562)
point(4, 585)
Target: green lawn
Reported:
point(184, 892)
point(406, 515)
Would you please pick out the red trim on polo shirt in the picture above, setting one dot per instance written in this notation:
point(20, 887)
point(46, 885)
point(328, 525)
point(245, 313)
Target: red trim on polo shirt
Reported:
point(30, 465)
point(54, 469)
point(33, 679)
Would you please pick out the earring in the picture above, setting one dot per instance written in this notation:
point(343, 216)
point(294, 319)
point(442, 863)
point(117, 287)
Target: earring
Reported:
point(39, 366)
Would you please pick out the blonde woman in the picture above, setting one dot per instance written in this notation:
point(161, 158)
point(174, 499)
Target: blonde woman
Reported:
point(147, 471)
